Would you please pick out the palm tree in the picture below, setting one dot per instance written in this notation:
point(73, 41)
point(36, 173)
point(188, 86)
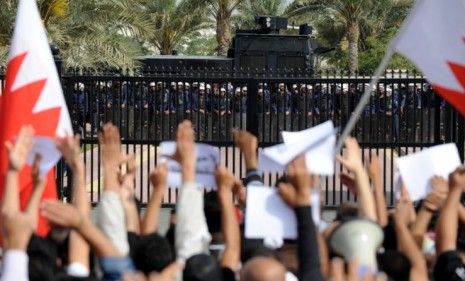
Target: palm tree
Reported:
point(90, 34)
point(350, 19)
point(174, 21)
point(222, 11)
point(350, 13)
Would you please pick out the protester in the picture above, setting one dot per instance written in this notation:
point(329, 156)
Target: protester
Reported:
point(127, 245)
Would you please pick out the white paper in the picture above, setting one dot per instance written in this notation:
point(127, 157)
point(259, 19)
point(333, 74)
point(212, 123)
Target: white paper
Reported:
point(416, 170)
point(46, 147)
point(208, 158)
point(318, 143)
point(267, 215)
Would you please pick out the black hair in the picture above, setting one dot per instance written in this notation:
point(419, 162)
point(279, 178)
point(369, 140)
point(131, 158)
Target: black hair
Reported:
point(152, 253)
point(202, 267)
point(258, 251)
point(42, 253)
point(212, 211)
point(395, 264)
point(346, 211)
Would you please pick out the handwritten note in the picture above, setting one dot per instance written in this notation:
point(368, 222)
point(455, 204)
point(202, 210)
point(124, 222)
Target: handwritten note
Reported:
point(416, 170)
point(208, 158)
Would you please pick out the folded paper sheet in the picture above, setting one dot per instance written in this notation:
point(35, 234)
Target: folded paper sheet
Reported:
point(267, 215)
point(318, 144)
point(208, 158)
point(416, 170)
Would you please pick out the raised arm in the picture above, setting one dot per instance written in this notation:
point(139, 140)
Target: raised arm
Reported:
point(71, 152)
point(131, 213)
point(66, 215)
point(375, 174)
point(432, 203)
point(353, 162)
point(446, 229)
point(229, 224)
point(248, 144)
point(152, 214)
point(406, 243)
point(297, 196)
point(17, 226)
point(17, 157)
point(191, 233)
point(110, 212)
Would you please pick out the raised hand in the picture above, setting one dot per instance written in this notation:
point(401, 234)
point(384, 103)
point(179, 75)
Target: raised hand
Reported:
point(70, 149)
point(185, 150)
point(224, 180)
point(240, 192)
point(158, 178)
point(19, 226)
point(297, 192)
point(38, 180)
point(457, 178)
point(110, 144)
point(18, 153)
point(348, 180)
point(374, 167)
point(248, 144)
point(352, 160)
point(61, 214)
point(127, 180)
point(438, 194)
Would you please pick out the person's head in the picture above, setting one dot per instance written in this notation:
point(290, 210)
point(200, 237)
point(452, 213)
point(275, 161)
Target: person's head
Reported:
point(212, 211)
point(42, 253)
point(263, 269)
point(202, 267)
point(152, 253)
point(222, 91)
point(346, 210)
point(395, 264)
point(153, 86)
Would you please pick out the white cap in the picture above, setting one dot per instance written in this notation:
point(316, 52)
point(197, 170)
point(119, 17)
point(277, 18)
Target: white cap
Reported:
point(152, 84)
point(180, 83)
point(209, 86)
point(244, 89)
point(223, 89)
point(238, 89)
point(294, 86)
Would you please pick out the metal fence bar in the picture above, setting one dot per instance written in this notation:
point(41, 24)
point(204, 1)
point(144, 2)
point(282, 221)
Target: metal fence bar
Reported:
point(402, 116)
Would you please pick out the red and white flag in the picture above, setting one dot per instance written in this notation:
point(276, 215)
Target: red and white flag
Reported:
point(32, 96)
point(433, 37)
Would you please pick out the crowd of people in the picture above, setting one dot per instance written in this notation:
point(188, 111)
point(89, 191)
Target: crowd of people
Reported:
point(215, 108)
point(121, 243)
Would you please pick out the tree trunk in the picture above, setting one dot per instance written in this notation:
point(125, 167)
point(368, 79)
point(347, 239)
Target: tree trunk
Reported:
point(353, 34)
point(223, 34)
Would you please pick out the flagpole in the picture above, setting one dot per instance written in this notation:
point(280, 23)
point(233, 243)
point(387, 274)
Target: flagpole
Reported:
point(364, 99)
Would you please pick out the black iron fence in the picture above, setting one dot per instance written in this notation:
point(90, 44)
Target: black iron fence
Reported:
point(404, 115)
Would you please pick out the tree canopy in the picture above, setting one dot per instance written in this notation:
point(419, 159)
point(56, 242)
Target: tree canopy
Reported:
point(113, 33)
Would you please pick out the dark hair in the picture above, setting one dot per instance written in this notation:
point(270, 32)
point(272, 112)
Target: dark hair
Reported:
point(202, 267)
point(346, 211)
point(152, 253)
point(258, 251)
point(212, 211)
point(42, 254)
point(390, 238)
point(395, 264)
